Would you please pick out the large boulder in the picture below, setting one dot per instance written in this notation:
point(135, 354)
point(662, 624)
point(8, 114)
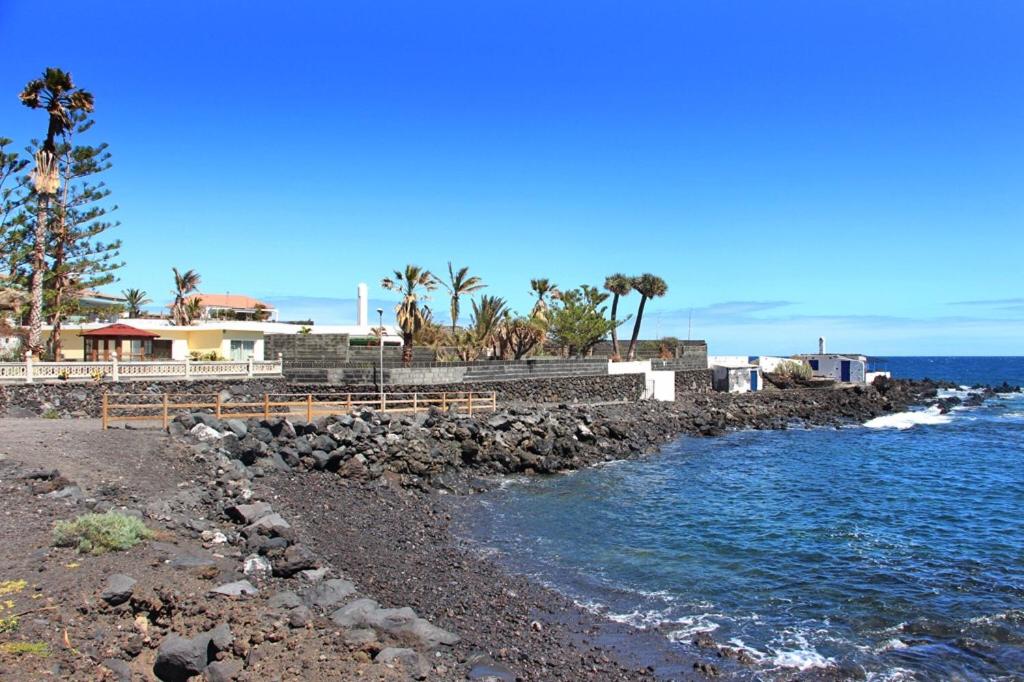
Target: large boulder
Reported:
point(118, 589)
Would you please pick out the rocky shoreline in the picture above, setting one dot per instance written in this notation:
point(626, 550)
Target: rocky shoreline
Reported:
point(309, 551)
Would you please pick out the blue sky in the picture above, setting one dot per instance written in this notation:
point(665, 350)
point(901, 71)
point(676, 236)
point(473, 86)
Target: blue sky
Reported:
point(792, 169)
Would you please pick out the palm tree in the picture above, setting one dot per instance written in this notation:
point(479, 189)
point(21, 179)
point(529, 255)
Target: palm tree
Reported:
point(619, 285)
point(409, 313)
point(135, 299)
point(544, 290)
point(488, 313)
point(56, 93)
point(648, 286)
point(184, 284)
point(460, 283)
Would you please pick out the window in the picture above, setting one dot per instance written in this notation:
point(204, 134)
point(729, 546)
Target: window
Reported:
point(242, 350)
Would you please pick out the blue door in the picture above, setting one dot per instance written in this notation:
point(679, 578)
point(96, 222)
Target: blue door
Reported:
point(753, 380)
point(844, 370)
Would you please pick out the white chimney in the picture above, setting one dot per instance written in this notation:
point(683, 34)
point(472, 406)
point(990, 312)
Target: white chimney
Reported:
point(363, 303)
point(821, 345)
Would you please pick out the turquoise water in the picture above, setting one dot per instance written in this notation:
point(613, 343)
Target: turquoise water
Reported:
point(888, 551)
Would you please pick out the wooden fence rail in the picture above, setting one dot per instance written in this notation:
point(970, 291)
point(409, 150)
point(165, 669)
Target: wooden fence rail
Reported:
point(163, 406)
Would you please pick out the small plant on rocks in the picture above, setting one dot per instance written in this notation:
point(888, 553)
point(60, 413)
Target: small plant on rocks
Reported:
point(101, 533)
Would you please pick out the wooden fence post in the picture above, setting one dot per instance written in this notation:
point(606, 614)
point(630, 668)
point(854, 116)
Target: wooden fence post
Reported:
point(104, 414)
point(348, 402)
point(266, 407)
point(470, 403)
point(494, 401)
point(217, 407)
point(165, 411)
point(415, 403)
point(309, 408)
point(444, 401)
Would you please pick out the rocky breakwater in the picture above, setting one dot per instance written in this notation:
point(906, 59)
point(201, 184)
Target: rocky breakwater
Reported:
point(432, 448)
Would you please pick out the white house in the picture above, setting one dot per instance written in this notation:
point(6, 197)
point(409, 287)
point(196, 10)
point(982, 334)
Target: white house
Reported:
point(227, 339)
point(844, 368)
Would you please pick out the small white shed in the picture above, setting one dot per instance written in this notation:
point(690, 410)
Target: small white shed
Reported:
point(736, 377)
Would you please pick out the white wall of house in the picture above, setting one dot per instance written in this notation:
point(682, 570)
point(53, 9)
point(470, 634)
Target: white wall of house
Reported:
point(658, 384)
point(727, 360)
point(770, 363)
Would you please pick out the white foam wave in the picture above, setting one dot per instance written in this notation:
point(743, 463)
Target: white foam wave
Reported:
point(906, 420)
point(801, 659)
point(891, 675)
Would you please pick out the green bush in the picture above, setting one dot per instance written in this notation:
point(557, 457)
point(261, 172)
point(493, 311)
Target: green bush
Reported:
point(793, 370)
point(101, 533)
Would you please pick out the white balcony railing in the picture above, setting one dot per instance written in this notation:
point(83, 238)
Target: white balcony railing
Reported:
point(114, 370)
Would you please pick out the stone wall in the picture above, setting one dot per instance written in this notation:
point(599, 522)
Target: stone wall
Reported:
point(85, 400)
point(583, 389)
point(302, 348)
point(693, 381)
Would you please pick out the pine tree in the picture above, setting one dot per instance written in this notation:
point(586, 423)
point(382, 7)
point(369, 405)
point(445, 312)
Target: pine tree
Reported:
point(78, 259)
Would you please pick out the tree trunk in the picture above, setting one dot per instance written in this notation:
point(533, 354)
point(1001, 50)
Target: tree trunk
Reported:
point(35, 316)
point(406, 348)
point(631, 355)
point(615, 328)
point(455, 312)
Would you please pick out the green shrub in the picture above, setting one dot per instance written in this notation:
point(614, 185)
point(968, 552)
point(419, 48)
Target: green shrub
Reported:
point(26, 648)
point(793, 370)
point(51, 414)
point(100, 533)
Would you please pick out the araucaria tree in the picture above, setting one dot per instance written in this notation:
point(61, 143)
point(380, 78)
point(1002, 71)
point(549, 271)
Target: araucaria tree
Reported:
point(57, 94)
point(577, 322)
point(411, 313)
point(460, 283)
point(80, 259)
point(619, 285)
point(185, 283)
point(648, 286)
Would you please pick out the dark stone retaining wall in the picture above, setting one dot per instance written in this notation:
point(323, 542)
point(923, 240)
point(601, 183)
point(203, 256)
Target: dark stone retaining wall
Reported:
point(594, 389)
point(85, 400)
point(693, 381)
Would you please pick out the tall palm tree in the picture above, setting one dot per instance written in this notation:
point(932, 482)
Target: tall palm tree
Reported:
point(410, 314)
point(544, 290)
point(460, 282)
point(648, 286)
point(619, 285)
point(185, 283)
point(56, 93)
point(135, 299)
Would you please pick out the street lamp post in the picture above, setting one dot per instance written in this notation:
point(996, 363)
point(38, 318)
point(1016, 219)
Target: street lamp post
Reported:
point(380, 326)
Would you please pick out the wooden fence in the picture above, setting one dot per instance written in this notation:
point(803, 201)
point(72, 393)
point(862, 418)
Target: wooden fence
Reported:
point(163, 406)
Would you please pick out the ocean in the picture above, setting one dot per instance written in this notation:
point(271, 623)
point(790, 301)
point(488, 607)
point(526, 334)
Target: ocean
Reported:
point(892, 550)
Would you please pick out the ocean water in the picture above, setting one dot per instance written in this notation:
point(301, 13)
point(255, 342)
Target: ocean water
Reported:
point(892, 550)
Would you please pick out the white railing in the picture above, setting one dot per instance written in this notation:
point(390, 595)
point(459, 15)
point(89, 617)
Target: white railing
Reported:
point(114, 370)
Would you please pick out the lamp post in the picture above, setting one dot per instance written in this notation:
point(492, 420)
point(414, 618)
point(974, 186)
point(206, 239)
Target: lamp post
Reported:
point(380, 326)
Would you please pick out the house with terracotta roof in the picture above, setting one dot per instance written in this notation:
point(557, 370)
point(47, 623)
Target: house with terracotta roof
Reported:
point(235, 307)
